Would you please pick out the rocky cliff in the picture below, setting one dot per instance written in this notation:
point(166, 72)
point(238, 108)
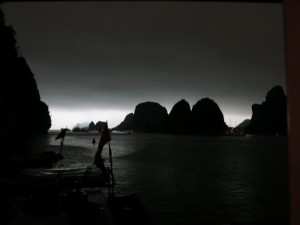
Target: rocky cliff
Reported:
point(96, 127)
point(127, 123)
point(179, 119)
point(270, 117)
point(149, 117)
point(207, 118)
point(21, 108)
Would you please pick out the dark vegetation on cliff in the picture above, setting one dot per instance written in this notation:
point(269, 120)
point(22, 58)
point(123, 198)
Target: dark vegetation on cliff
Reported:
point(21, 108)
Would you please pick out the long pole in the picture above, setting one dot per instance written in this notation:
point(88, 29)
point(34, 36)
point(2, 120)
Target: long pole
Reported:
point(111, 172)
point(61, 145)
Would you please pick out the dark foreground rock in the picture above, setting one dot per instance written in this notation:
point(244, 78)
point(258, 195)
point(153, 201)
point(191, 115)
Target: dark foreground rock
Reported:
point(21, 107)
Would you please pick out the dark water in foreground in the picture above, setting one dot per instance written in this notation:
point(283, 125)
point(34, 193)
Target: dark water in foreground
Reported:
point(195, 180)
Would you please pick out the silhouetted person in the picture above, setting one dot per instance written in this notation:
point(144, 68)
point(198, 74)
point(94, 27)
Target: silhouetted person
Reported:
point(94, 141)
point(99, 162)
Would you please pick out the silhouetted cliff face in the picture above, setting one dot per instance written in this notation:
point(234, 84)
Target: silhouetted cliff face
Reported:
point(244, 124)
point(179, 119)
point(270, 117)
point(20, 104)
point(127, 124)
point(149, 117)
point(207, 118)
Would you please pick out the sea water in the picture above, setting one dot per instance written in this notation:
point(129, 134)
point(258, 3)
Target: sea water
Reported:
point(184, 179)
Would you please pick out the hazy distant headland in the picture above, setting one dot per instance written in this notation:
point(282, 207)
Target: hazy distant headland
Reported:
point(21, 108)
point(84, 127)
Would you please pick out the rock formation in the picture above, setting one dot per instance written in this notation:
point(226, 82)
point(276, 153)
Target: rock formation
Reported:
point(127, 124)
point(149, 117)
point(92, 126)
point(244, 124)
point(270, 117)
point(96, 127)
point(86, 126)
point(207, 118)
point(21, 108)
point(179, 119)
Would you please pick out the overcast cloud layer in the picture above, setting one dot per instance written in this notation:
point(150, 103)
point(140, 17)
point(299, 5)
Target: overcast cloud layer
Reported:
point(114, 55)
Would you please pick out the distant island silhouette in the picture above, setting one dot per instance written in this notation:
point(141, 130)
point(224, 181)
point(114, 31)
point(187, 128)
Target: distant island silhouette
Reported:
point(205, 118)
point(88, 127)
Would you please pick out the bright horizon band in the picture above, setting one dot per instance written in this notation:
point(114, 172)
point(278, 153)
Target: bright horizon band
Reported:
point(65, 118)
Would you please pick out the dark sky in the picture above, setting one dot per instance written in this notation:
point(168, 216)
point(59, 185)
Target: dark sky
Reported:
point(98, 60)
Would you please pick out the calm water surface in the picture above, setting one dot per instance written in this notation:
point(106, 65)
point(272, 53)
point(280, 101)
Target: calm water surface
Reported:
point(194, 180)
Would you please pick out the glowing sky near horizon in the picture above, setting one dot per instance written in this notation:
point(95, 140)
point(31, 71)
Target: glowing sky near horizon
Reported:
point(95, 61)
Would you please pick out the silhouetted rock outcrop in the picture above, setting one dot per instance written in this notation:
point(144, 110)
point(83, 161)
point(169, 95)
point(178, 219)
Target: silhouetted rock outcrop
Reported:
point(207, 118)
point(96, 127)
point(92, 126)
point(179, 119)
point(244, 124)
point(127, 124)
point(21, 107)
point(270, 117)
point(149, 117)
